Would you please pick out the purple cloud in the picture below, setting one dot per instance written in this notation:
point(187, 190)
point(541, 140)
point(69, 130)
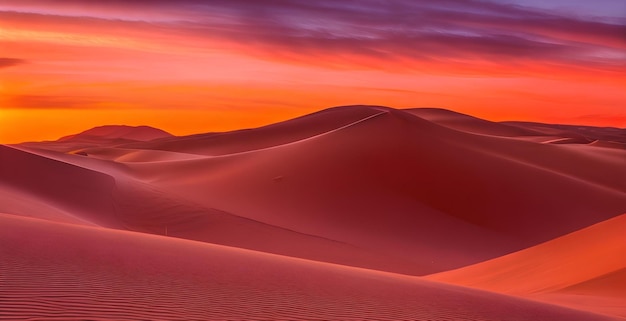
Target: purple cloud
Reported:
point(426, 30)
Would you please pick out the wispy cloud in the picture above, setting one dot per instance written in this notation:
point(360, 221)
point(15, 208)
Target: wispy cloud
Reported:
point(355, 33)
point(50, 102)
point(10, 62)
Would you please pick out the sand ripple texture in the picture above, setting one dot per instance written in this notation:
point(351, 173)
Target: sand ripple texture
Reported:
point(53, 271)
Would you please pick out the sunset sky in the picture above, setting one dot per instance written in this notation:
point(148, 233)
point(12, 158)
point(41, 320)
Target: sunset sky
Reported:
point(192, 66)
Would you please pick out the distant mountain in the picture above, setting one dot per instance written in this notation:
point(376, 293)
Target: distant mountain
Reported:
point(138, 133)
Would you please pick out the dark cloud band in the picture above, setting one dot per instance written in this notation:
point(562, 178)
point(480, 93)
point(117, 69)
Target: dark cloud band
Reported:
point(402, 29)
point(10, 62)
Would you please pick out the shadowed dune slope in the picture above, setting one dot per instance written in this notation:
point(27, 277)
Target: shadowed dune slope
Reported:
point(400, 182)
point(137, 206)
point(59, 187)
point(103, 274)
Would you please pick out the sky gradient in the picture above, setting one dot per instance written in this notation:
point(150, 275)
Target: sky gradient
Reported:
point(197, 66)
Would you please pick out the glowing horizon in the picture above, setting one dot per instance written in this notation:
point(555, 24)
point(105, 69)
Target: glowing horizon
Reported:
point(197, 66)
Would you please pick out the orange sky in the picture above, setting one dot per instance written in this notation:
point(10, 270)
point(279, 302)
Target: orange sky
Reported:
point(66, 67)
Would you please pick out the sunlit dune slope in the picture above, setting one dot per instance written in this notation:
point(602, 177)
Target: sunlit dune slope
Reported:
point(557, 264)
point(587, 263)
point(102, 274)
point(605, 294)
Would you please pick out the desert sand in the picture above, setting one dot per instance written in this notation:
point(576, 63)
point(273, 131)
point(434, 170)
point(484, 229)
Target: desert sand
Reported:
point(350, 213)
point(73, 272)
point(581, 269)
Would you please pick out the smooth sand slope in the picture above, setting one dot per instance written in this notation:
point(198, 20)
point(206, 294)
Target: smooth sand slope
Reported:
point(584, 266)
point(53, 271)
point(93, 198)
point(550, 266)
point(83, 194)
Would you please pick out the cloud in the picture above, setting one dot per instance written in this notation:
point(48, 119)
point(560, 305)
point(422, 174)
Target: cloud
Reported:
point(10, 62)
point(50, 102)
point(357, 32)
point(445, 32)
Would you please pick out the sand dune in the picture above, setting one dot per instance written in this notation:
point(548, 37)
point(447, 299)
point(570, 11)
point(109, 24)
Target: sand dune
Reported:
point(102, 274)
point(414, 192)
point(546, 133)
point(372, 178)
point(577, 134)
point(551, 266)
point(604, 294)
point(133, 205)
point(471, 124)
point(263, 137)
point(609, 144)
point(589, 262)
point(395, 181)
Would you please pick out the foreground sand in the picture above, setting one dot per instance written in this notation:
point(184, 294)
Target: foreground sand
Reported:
point(133, 223)
point(67, 272)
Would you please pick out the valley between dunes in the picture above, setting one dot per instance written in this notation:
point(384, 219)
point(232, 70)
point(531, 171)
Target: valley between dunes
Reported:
point(350, 213)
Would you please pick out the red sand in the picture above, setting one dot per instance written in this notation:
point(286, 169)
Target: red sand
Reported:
point(103, 274)
point(588, 263)
point(368, 187)
point(394, 182)
point(551, 266)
